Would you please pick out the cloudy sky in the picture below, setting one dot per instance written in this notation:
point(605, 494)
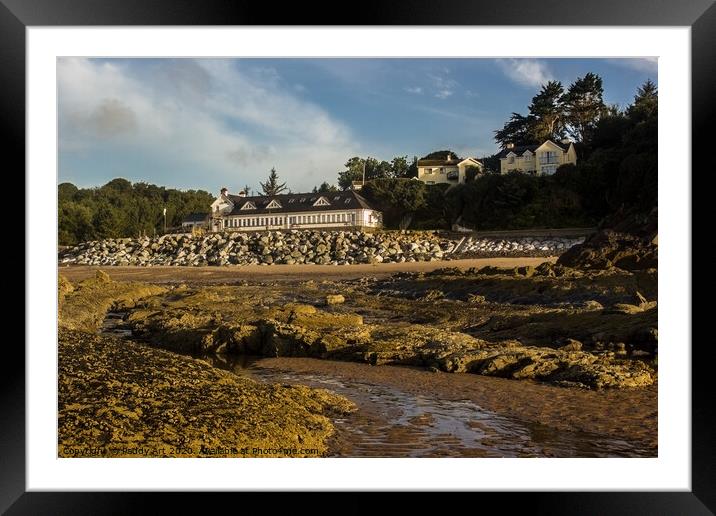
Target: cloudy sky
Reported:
point(207, 123)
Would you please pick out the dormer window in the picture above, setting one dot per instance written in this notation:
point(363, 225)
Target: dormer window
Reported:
point(322, 201)
point(348, 200)
point(273, 204)
point(248, 206)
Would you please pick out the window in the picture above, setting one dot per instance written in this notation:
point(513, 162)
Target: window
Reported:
point(348, 200)
point(302, 199)
point(511, 160)
point(248, 205)
point(313, 199)
point(322, 201)
point(273, 204)
point(337, 198)
point(291, 200)
point(547, 158)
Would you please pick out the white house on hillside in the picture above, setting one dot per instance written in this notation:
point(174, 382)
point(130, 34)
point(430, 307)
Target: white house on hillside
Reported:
point(451, 170)
point(537, 159)
point(342, 210)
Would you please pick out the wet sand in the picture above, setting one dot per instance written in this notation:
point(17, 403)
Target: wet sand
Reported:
point(216, 274)
point(626, 415)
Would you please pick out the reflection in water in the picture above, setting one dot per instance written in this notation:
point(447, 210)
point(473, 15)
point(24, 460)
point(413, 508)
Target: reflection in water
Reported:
point(390, 422)
point(394, 423)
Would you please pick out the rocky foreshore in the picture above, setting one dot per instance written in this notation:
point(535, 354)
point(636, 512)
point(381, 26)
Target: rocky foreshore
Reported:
point(521, 246)
point(298, 247)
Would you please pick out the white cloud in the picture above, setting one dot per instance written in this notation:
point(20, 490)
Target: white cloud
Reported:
point(526, 72)
point(640, 64)
point(444, 86)
point(228, 124)
point(416, 90)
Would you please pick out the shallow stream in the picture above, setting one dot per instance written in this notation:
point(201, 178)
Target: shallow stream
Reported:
point(395, 422)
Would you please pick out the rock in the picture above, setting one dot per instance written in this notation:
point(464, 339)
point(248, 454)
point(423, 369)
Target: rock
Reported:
point(570, 345)
point(432, 295)
point(640, 300)
point(335, 299)
point(593, 305)
point(623, 308)
point(630, 244)
point(475, 298)
point(102, 277)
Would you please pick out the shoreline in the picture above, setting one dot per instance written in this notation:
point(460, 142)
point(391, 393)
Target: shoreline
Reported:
point(215, 273)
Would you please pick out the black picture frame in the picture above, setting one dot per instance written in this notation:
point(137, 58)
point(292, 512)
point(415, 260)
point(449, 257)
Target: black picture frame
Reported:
point(700, 15)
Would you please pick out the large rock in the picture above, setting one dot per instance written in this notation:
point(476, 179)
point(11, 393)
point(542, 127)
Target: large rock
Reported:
point(627, 241)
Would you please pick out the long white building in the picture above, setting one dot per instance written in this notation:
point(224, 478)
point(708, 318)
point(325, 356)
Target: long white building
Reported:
point(334, 210)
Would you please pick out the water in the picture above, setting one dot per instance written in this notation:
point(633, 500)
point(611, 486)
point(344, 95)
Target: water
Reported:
point(392, 422)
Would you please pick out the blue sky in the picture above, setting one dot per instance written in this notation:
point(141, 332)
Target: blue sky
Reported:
point(208, 123)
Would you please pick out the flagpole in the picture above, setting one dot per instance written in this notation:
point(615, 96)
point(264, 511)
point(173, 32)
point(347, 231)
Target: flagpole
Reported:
point(165, 220)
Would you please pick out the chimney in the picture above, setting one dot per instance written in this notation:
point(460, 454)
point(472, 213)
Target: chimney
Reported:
point(224, 191)
point(510, 146)
point(242, 193)
point(448, 157)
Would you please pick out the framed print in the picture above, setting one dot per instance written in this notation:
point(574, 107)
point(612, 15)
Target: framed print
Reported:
point(419, 252)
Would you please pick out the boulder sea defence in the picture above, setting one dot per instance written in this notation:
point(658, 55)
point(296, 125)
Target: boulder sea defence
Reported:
point(298, 247)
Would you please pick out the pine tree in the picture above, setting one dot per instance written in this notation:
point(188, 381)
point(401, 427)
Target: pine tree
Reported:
point(584, 106)
point(546, 112)
point(646, 101)
point(272, 187)
point(516, 130)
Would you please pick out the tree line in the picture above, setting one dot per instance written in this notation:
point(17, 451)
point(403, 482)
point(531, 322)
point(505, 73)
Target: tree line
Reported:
point(122, 209)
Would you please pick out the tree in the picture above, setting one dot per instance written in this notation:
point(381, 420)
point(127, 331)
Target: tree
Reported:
point(247, 190)
point(325, 188)
point(583, 106)
point(646, 102)
point(412, 168)
point(471, 172)
point(272, 187)
point(546, 113)
point(352, 172)
point(66, 191)
point(374, 169)
point(517, 130)
point(399, 166)
point(398, 199)
point(441, 154)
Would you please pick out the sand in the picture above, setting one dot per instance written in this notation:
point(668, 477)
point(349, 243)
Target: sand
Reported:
point(215, 274)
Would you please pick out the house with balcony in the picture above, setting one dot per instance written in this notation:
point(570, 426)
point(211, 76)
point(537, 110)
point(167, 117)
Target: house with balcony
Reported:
point(543, 159)
point(334, 210)
point(451, 170)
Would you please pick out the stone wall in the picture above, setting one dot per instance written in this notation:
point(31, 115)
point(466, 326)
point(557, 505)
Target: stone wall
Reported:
point(296, 247)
